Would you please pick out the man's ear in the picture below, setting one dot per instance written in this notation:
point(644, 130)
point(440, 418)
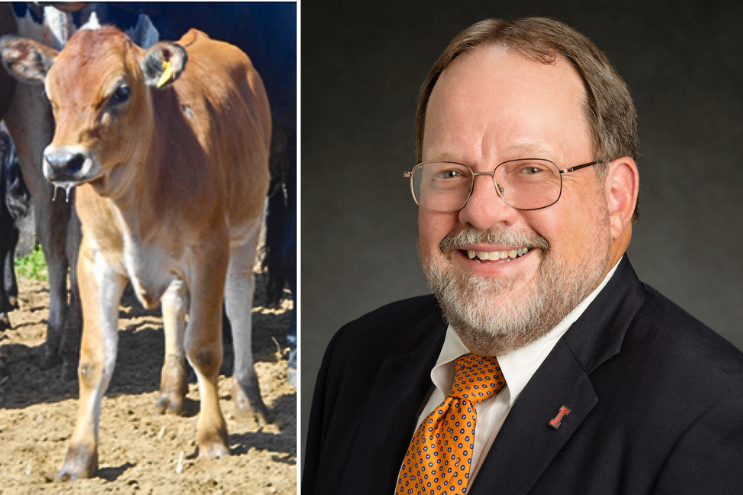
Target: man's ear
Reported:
point(622, 187)
point(26, 59)
point(163, 63)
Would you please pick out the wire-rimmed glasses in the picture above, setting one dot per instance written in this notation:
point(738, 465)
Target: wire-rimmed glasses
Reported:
point(524, 184)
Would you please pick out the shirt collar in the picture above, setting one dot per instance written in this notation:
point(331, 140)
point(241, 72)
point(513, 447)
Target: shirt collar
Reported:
point(517, 366)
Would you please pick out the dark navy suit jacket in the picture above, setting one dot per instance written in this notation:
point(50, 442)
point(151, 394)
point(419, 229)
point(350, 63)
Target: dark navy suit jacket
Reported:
point(655, 399)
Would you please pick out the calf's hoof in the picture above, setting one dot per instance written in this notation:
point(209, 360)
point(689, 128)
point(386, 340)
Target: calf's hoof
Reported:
point(213, 451)
point(250, 405)
point(173, 387)
point(214, 445)
point(170, 402)
point(79, 463)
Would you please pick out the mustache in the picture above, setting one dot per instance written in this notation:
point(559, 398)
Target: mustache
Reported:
point(471, 235)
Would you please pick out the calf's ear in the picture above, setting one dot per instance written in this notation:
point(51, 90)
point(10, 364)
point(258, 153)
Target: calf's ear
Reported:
point(163, 63)
point(26, 59)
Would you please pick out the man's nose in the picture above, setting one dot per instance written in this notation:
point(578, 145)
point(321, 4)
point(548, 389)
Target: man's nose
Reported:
point(486, 209)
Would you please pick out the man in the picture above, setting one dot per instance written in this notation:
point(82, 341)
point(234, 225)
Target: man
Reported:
point(527, 190)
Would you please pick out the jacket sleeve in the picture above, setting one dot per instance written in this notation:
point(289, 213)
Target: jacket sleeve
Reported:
point(316, 426)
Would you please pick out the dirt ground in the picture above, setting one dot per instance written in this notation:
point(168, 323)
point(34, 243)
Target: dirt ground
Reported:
point(141, 451)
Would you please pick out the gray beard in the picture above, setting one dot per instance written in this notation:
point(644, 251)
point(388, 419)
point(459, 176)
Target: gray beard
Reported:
point(479, 308)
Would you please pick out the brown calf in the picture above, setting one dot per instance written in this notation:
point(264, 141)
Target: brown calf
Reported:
point(168, 149)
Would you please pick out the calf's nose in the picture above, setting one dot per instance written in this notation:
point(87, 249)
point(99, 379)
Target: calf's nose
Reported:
point(62, 164)
point(60, 159)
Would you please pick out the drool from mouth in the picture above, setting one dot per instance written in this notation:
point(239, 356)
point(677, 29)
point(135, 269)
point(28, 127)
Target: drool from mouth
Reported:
point(505, 256)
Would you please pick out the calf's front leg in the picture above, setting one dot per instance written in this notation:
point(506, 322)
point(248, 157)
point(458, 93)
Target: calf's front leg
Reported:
point(100, 291)
point(204, 345)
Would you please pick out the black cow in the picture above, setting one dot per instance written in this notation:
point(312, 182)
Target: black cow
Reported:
point(15, 204)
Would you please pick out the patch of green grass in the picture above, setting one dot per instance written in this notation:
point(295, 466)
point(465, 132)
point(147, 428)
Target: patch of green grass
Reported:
point(32, 266)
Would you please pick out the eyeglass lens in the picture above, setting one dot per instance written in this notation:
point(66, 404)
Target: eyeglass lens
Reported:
point(524, 184)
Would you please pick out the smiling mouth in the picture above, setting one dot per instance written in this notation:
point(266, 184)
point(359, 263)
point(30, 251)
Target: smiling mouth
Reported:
point(498, 256)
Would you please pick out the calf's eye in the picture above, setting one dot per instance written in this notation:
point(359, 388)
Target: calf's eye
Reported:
point(121, 94)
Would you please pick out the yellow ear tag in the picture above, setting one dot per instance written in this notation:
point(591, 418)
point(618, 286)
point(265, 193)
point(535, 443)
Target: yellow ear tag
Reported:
point(166, 76)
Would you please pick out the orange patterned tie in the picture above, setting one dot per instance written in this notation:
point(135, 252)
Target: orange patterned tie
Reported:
point(439, 456)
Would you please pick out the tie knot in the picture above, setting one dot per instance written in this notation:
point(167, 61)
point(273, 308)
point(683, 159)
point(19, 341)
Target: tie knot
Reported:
point(476, 378)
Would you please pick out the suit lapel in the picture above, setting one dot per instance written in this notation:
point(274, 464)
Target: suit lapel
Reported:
point(527, 444)
point(561, 382)
point(401, 385)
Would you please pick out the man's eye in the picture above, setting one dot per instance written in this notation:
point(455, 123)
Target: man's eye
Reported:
point(451, 174)
point(531, 170)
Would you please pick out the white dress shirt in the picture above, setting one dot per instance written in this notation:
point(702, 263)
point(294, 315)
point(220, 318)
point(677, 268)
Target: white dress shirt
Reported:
point(517, 366)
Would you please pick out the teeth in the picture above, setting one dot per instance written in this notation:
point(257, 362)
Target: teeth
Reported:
point(497, 255)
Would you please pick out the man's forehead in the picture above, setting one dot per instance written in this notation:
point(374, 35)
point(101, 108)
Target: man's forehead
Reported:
point(518, 104)
point(497, 62)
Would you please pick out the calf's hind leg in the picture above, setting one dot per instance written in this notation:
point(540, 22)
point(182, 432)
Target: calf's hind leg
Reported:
point(239, 291)
point(173, 383)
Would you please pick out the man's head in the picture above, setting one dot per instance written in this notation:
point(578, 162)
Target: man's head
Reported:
point(608, 105)
point(502, 91)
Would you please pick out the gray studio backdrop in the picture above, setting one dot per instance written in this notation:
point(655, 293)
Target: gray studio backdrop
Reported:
point(362, 66)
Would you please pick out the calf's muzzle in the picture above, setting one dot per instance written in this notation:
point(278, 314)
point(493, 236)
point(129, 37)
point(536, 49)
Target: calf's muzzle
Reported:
point(64, 164)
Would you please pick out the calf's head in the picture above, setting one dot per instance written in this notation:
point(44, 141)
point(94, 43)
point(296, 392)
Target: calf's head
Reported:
point(99, 90)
